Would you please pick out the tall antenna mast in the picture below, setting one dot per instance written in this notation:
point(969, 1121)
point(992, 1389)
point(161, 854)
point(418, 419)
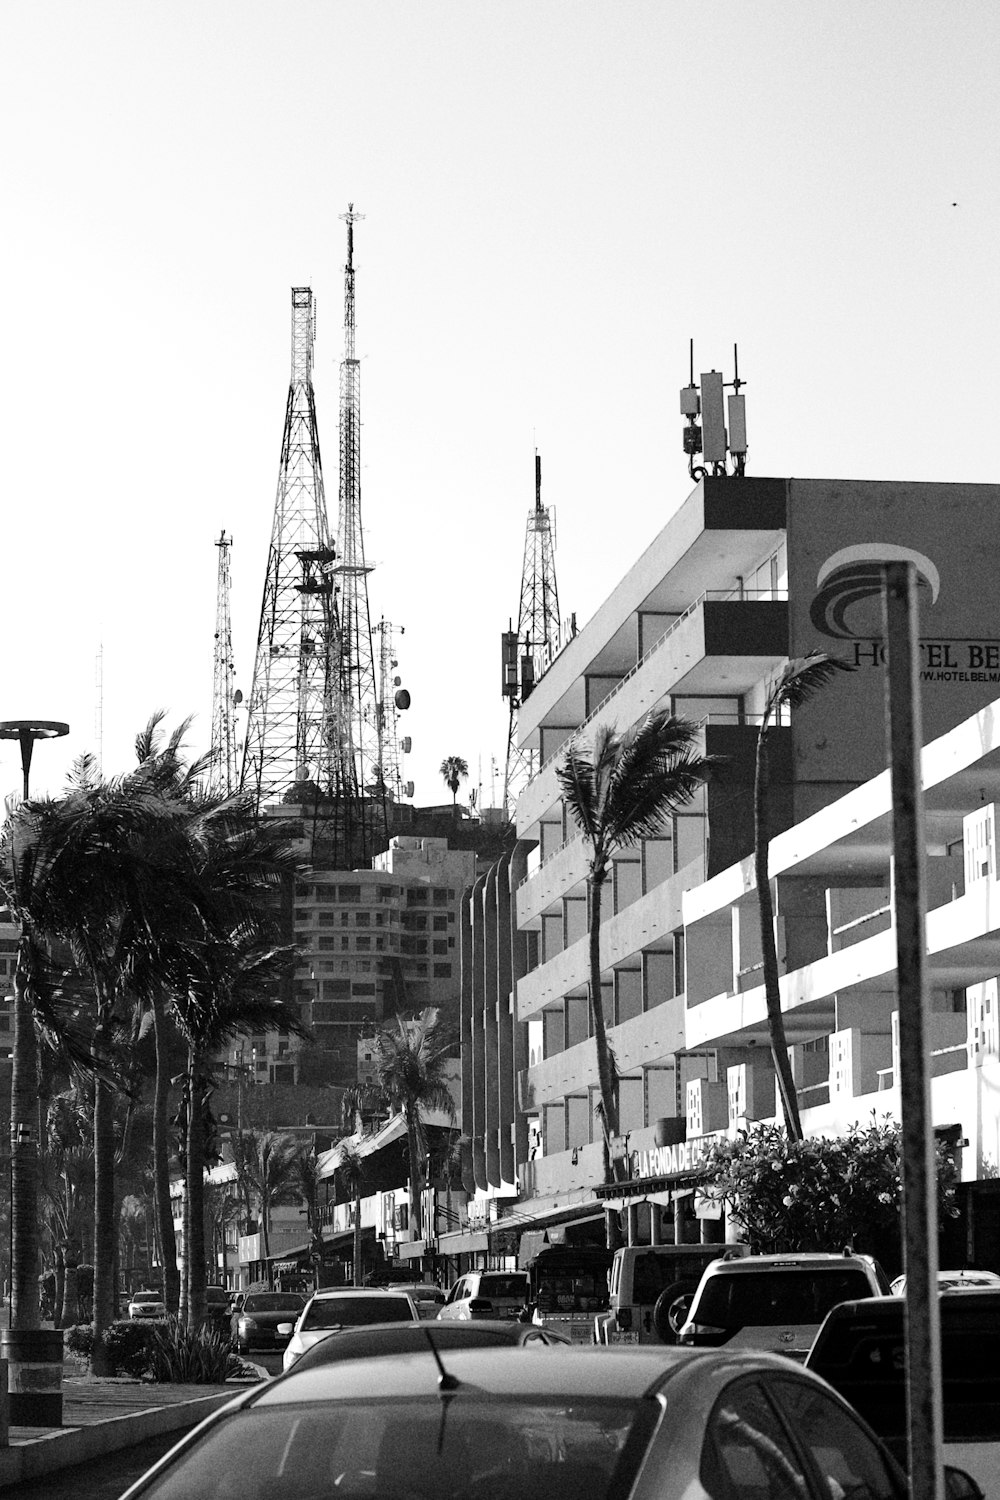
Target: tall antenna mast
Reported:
point(528, 651)
point(357, 673)
point(393, 698)
point(292, 733)
point(224, 775)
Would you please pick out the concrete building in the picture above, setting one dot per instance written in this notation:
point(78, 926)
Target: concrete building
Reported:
point(745, 574)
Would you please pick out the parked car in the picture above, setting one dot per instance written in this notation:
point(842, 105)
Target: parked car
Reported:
point(859, 1349)
point(952, 1281)
point(146, 1305)
point(570, 1423)
point(647, 1285)
point(412, 1338)
point(255, 1325)
point(426, 1294)
point(218, 1309)
point(487, 1294)
point(328, 1312)
point(776, 1301)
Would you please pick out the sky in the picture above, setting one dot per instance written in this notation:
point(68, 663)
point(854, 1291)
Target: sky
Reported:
point(558, 195)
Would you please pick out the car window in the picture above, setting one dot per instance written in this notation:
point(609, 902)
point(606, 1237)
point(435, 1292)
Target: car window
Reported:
point(763, 1299)
point(503, 1286)
point(747, 1454)
point(146, 1297)
point(458, 1291)
point(850, 1464)
point(274, 1302)
point(353, 1312)
point(538, 1449)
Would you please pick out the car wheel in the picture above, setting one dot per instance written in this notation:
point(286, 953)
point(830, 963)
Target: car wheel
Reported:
point(665, 1319)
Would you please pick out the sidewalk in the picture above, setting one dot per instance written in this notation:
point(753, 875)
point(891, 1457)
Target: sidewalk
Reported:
point(102, 1415)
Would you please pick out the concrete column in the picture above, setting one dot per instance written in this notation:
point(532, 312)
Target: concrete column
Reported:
point(655, 1217)
point(633, 1223)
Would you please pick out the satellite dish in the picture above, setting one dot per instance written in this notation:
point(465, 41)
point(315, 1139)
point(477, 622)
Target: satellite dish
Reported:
point(406, 744)
point(408, 789)
point(396, 681)
point(238, 696)
point(402, 699)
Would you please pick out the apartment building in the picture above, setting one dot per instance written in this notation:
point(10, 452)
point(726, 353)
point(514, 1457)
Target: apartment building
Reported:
point(744, 574)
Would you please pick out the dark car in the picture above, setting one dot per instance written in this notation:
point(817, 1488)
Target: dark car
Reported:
point(255, 1324)
point(859, 1349)
point(414, 1338)
point(563, 1424)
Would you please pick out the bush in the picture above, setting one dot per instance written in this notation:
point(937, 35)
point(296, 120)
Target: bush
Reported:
point(182, 1356)
point(128, 1345)
point(79, 1339)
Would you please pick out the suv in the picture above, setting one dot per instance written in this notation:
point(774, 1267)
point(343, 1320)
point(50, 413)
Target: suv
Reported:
point(776, 1301)
point(860, 1351)
point(487, 1294)
point(646, 1283)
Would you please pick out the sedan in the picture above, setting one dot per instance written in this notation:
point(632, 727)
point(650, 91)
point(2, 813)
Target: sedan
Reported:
point(255, 1324)
point(147, 1305)
point(409, 1338)
point(329, 1312)
point(633, 1424)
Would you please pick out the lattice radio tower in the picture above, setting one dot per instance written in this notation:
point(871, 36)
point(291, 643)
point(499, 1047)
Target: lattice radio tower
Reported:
point(357, 674)
point(393, 698)
point(293, 736)
point(225, 770)
point(525, 650)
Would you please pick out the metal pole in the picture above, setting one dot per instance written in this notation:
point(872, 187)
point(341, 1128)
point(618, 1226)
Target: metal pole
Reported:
point(920, 1230)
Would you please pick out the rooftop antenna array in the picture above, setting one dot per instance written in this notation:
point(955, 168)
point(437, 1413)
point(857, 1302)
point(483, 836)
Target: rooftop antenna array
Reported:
point(718, 447)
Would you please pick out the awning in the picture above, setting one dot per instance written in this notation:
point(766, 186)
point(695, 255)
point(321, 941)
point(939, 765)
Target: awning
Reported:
point(365, 1145)
point(410, 1249)
point(462, 1244)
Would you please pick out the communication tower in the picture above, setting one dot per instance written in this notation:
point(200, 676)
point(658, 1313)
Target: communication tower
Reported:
point(393, 698)
point(224, 776)
point(357, 668)
point(717, 445)
point(528, 650)
point(292, 730)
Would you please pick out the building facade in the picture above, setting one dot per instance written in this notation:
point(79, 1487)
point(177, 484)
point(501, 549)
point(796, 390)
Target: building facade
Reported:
point(744, 575)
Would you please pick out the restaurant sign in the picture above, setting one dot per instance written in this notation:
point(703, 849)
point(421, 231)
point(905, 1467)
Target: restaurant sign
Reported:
point(679, 1160)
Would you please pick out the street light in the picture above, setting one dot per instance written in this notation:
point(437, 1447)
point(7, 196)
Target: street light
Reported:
point(27, 731)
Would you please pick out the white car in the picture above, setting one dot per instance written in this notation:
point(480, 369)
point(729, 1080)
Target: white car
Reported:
point(952, 1281)
point(147, 1305)
point(327, 1312)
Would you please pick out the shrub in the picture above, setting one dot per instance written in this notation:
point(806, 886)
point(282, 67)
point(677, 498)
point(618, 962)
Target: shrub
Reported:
point(186, 1356)
point(128, 1344)
point(79, 1339)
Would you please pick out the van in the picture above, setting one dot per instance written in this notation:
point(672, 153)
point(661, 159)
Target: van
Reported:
point(645, 1282)
point(487, 1294)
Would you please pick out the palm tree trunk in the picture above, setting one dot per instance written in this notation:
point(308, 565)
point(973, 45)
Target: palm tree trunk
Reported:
point(161, 1163)
point(605, 1070)
point(195, 1195)
point(359, 1274)
point(71, 1296)
point(104, 1219)
point(57, 1302)
point(416, 1176)
point(24, 1169)
point(769, 956)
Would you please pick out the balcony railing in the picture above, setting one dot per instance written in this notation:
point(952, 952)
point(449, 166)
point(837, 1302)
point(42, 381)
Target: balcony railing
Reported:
point(724, 595)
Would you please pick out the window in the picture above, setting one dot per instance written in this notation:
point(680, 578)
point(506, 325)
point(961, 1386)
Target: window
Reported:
point(364, 919)
point(302, 914)
point(747, 1451)
point(327, 918)
point(364, 944)
point(440, 924)
point(440, 945)
point(440, 898)
point(442, 971)
point(848, 1461)
point(350, 893)
point(416, 894)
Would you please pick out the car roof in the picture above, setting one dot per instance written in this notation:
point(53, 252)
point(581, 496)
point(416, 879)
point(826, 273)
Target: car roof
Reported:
point(561, 1370)
point(806, 1258)
point(327, 1293)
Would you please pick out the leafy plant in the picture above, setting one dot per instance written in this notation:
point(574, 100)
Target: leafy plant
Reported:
point(79, 1339)
point(197, 1356)
point(128, 1344)
point(820, 1193)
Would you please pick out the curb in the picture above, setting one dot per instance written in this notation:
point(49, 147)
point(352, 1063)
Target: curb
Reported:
point(67, 1446)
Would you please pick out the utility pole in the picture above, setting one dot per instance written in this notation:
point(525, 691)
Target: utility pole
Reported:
point(224, 775)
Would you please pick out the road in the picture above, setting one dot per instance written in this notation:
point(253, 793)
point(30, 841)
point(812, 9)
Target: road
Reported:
point(107, 1478)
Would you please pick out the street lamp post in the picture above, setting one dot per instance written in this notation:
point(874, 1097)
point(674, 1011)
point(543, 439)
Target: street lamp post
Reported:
point(26, 732)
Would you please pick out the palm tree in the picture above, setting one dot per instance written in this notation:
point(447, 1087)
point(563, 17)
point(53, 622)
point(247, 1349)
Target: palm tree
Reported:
point(619, 790)
point(454, 770)
point(306, 1173)
point(411, 1072)
point(268, 1162)
point(796, 683)
point(353, 1170)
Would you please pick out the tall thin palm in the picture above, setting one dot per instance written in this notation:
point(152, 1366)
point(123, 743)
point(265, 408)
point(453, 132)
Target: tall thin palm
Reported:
point(354, 1171)
point(799, 680)
point(411, 1072)
point(268, 1163)
point(454, 770)
point(620, 789)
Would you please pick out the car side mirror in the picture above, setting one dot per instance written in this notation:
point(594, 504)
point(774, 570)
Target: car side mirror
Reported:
point(286, 1329)
point(958, 1485)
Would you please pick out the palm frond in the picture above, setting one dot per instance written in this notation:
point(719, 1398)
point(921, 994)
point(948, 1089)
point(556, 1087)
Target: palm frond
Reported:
point(803, 676)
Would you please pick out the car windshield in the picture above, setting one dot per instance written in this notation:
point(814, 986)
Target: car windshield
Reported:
point(764, 1299)
point(216, 1294)
point(354, 1312)
point(537, 1449)
point(146, 1297)
point(274, 1302)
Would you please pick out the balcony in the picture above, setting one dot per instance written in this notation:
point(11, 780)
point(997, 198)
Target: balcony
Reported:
point(722, 644)
point(656, 1034)
point(648, 923)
